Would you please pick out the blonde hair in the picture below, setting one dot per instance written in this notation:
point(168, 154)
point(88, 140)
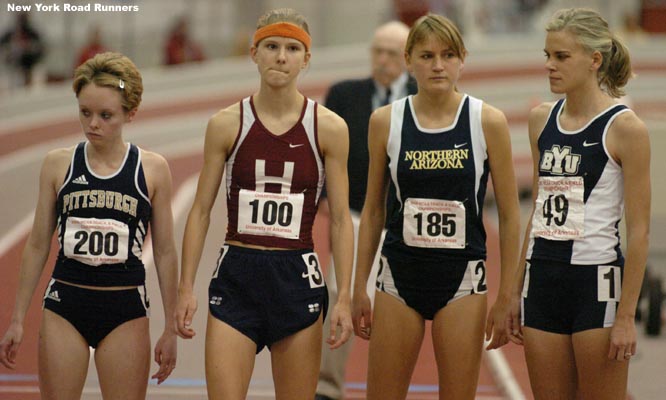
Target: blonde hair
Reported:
point(440, 27)
point(592, 32)
point(283, 15)
point(112, 70)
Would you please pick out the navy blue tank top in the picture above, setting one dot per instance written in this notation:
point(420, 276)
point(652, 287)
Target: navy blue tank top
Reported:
point(102, 222)
point(580, 193)
point(438, 185)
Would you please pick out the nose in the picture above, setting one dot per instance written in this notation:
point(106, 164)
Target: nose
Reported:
point(437, 64)
point(94, 122)
point(549, 64)
point(282, 54)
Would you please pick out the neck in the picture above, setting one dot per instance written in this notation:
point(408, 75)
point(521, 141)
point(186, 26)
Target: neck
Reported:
point(587, 101)
point(107, 152)
point(437, 103)
point(277, 101)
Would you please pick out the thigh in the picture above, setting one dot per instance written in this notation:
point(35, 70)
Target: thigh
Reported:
point(551, 364)
point(395, 341)
point(124, 356)
point(599, 377)
point(295, 361)
point(229, 361)
point(63, 358)
point(457, 333)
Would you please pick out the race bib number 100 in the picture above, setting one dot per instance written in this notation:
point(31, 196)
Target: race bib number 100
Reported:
point(96, 241)
point(270, 214)
point(434, 223)
point(560, 211)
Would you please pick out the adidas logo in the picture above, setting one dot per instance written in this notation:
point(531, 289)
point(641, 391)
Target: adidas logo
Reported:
point(81, 180)
point(313, 308)
point(215, 300)
point(54, 296)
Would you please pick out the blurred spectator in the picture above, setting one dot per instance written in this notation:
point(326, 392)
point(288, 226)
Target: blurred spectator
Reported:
point(92, 47)
point(180, 47)
point(22, 48)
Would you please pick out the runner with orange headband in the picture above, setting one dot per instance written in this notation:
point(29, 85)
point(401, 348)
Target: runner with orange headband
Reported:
point(277, 148)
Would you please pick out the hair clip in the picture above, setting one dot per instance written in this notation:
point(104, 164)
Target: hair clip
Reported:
point(121, 84)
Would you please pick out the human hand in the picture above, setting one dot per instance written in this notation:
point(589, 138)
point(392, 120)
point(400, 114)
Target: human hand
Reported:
point(362, 315)
point(10, 344)
point(166, 350)
point(185, 310)
point(340, 317)
point(622, 339)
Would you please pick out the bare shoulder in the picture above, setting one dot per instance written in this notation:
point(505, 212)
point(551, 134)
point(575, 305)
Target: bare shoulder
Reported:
point(540, 113)
point(223, 127)
point(332, 131)
point(492, 117)
point(153, 161)
point(628, 127)
point(329, 122)
point(381, 118)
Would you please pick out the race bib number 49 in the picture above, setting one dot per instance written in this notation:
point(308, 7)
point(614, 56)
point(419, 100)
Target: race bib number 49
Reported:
point(560, 211)
point(95, 241)
point(270, 214)
point(434, 223)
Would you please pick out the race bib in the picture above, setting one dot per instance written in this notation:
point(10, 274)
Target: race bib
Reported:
point(434, 223)
point(95, 241)
point(560, 211)
point(270, 214)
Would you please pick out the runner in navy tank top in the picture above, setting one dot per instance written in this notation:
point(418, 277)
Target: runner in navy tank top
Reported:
point(101, 197)
point(591, 164)
point(439, 146)
point(277, 148)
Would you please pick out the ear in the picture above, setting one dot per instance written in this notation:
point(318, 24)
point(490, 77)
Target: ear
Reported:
point(253, 53)
point(597, 60)
point(306, 59)
point(130, 114)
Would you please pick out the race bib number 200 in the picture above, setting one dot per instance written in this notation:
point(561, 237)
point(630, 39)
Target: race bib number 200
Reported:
point(560, 210)
point(270, 214)
point(96, 241)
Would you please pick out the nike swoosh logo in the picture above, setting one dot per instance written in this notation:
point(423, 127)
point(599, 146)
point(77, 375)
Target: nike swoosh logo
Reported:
point(293, 146)
point(586, 144)
point(457, 146)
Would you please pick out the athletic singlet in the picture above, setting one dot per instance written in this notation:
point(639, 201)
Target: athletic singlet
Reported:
point(439, 179)
point(580, 199)
point(102, 222)
point(274, 181)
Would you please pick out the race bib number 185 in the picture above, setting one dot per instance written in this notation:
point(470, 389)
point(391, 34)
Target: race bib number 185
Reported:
point(434, 223)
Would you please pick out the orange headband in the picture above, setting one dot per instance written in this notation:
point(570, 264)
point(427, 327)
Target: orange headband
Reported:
point(283, 29)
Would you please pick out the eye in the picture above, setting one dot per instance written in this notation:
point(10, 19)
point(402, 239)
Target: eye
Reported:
point(271, 46)
point(84, 112)
point(426, 56)
point(106, 115)
point(450, 55)
point(294, 48)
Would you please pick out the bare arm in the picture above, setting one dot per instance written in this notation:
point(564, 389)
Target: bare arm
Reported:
point(334, 141)
point(166, 258)
point(537, 120)
point(628, 142)
point(36, 250)
point(220, 135)
point(372, 218)
point(496, 132)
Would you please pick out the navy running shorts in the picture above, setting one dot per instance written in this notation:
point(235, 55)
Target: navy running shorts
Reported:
point(267, 295)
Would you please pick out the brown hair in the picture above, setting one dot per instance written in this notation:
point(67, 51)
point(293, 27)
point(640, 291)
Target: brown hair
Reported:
point(442, 28)
point(112, 70)
point(283, 15)
point(592, 32)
